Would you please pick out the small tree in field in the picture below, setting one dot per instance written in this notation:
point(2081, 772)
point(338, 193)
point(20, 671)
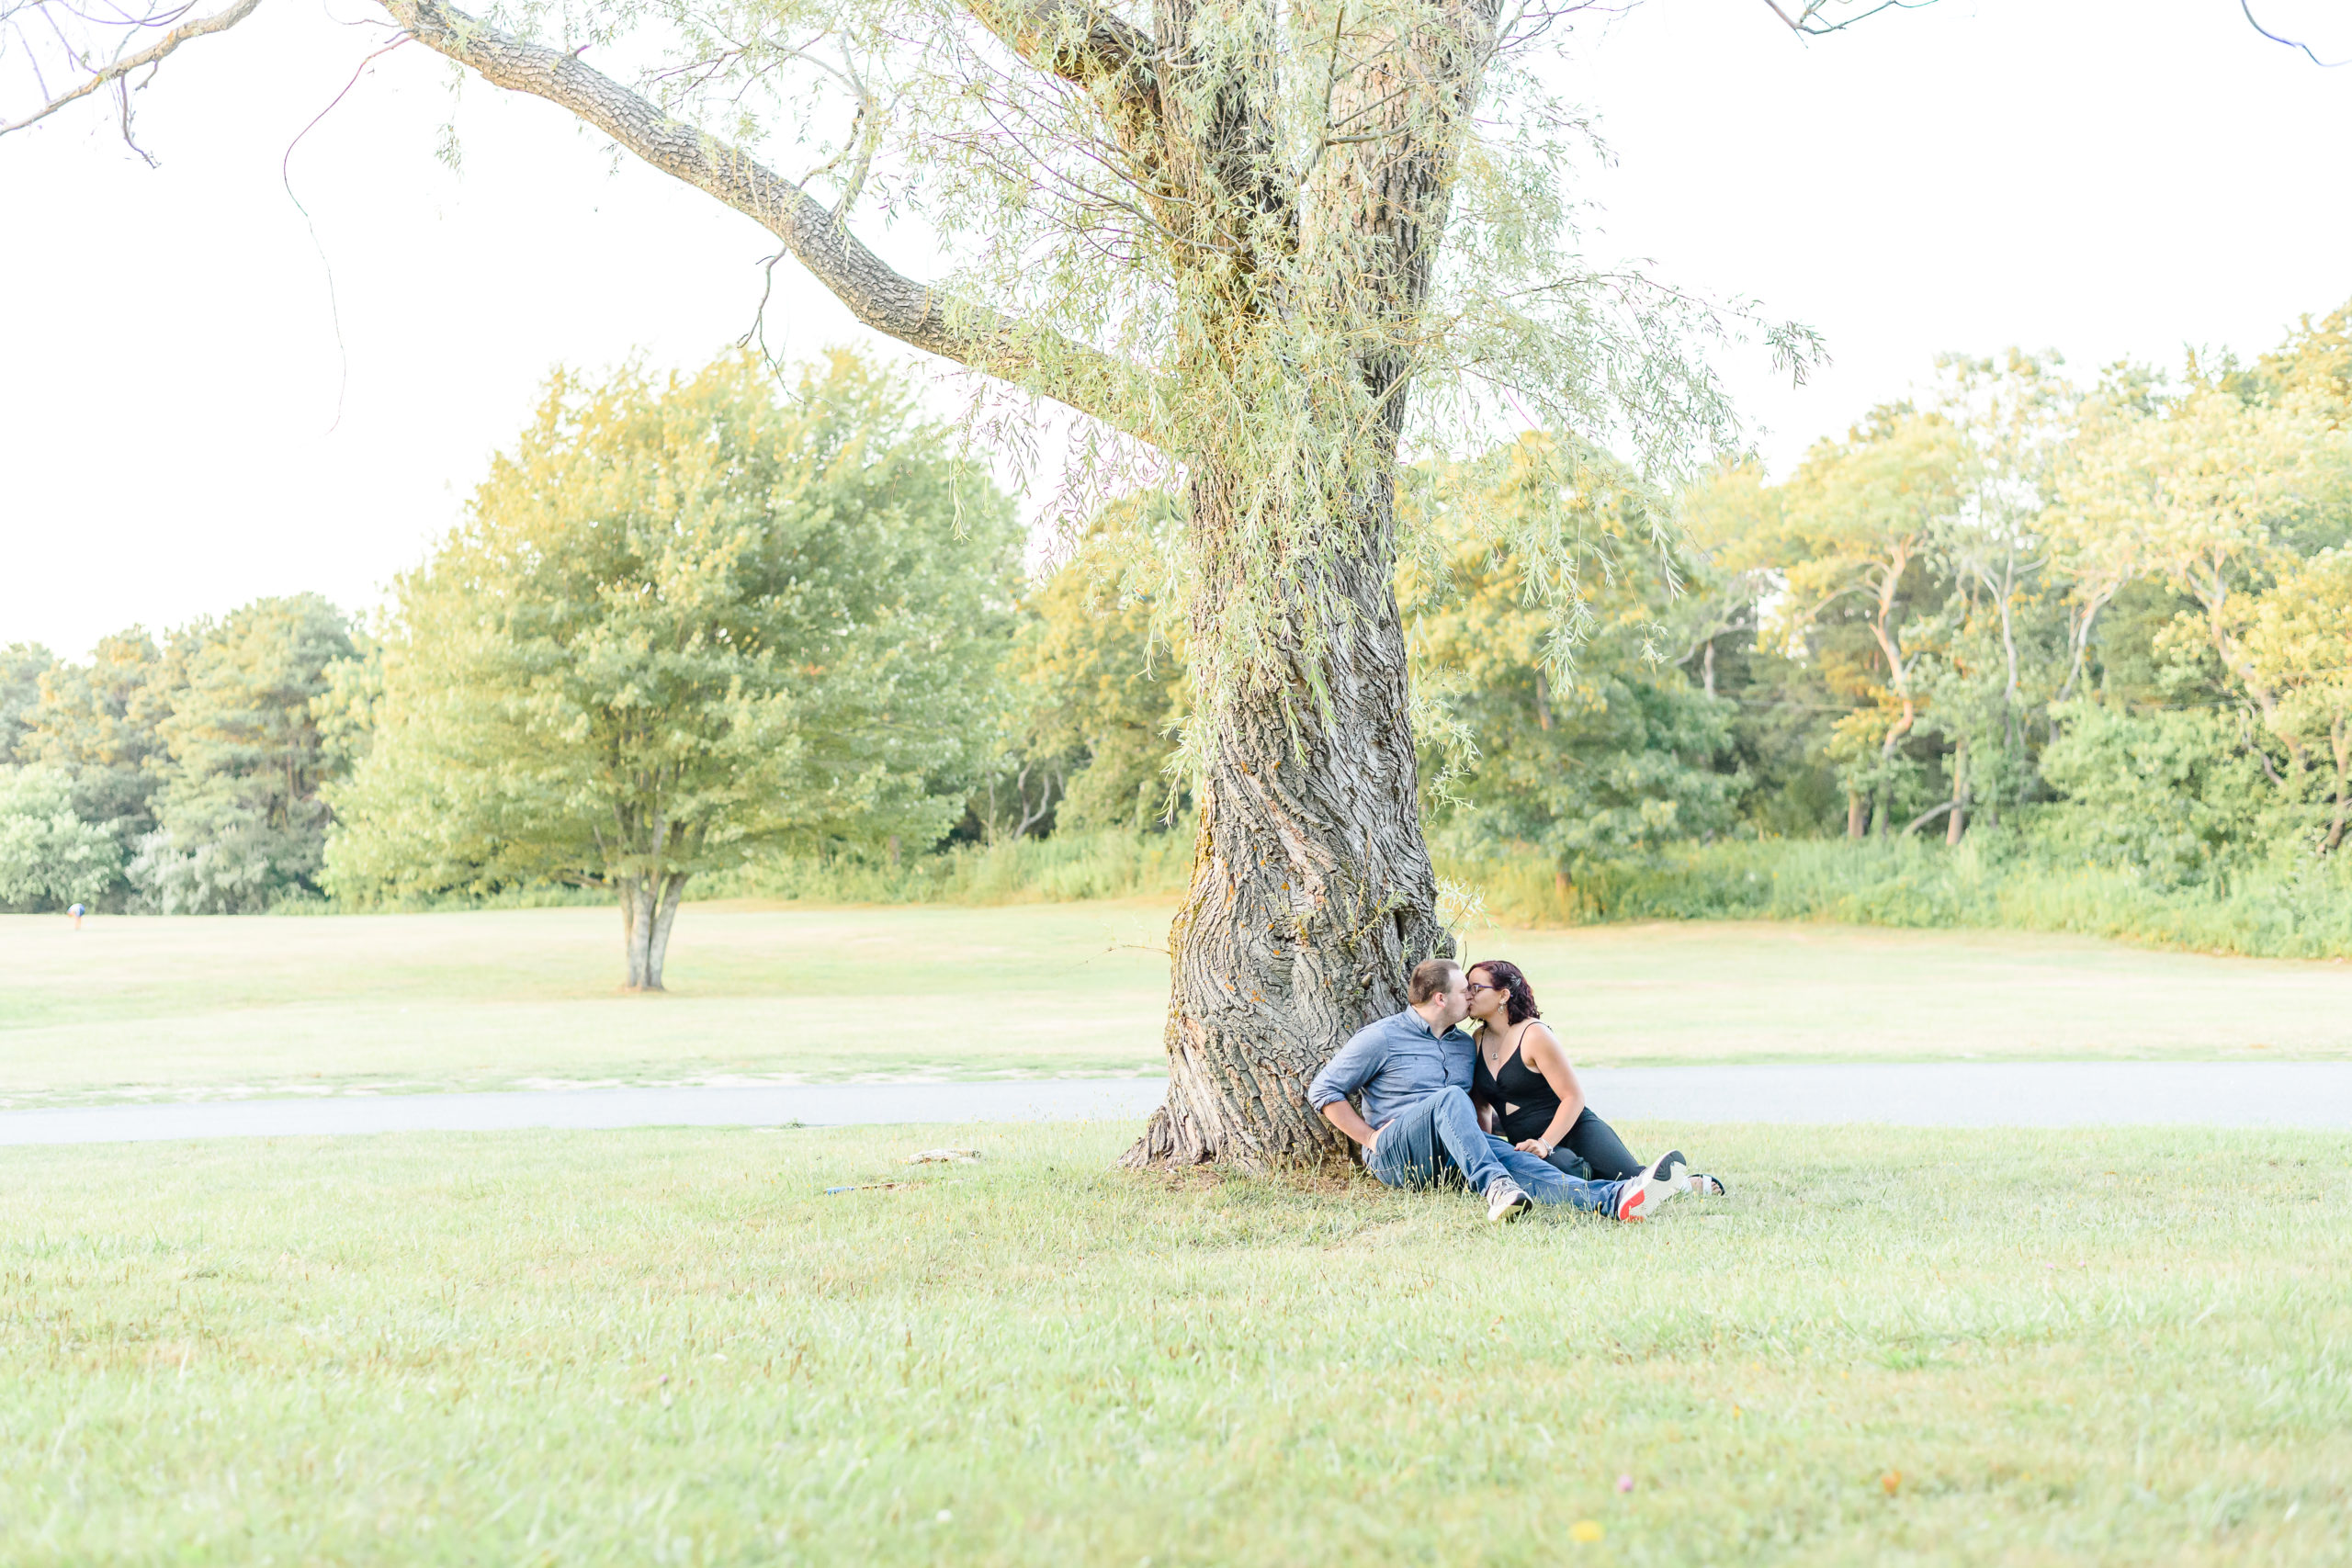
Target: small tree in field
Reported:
point(683, 622)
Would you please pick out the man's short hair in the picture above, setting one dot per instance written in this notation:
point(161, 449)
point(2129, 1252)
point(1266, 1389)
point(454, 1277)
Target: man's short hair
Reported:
point(1431, 977)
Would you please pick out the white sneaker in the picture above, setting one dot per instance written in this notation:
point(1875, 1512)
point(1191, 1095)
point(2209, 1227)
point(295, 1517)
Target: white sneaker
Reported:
point(1506, 1201)
point(1640, 1195)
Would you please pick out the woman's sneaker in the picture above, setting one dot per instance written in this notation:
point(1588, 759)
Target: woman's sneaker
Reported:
point(1505, 1200)
point(1640, 1195)
point(1705, 1186)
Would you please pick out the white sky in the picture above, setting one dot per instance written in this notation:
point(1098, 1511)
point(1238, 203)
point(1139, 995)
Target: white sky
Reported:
point(2102, 179)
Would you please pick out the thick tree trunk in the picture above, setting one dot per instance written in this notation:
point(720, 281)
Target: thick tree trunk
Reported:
point(1857, 814)
point(649, 908)
point(1312, 895)
point(1958, 825)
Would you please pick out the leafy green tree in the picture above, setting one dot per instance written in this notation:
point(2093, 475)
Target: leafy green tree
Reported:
point(1779, 691)
point(101, 725)
point(50, 858)
point(1098, 686)
point(685, 621)
point(2208, 496)
point(2300, 647)
point(1576, 760)
point(22, 664)
point(2166, 790)
point(240, 821)
point(1991, 656)
point(1852, 535)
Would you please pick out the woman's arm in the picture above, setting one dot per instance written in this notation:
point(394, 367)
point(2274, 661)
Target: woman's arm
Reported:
point(1541, 1049)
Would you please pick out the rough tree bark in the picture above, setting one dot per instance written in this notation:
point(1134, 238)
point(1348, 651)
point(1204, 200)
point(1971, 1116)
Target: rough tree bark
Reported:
point(648, 907)
point(1312, 895)
point(642, 854)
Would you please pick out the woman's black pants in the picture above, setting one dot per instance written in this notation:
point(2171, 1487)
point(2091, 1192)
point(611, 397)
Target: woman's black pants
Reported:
point(1593, 1151)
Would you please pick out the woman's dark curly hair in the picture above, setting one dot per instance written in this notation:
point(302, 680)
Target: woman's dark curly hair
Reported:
point(1519, 996)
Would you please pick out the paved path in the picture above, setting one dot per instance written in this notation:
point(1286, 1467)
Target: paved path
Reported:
point(2048, 1094)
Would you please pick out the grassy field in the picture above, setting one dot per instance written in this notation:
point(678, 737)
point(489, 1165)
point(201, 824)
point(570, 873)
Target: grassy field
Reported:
point(189, 1007)
point(672, 1346)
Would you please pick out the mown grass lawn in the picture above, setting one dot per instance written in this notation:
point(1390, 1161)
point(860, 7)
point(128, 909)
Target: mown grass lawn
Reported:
point(665, 1346)
point(178, 1007)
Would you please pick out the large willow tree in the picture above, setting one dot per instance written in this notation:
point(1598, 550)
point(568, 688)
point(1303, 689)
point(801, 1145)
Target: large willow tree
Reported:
point(1264, 247)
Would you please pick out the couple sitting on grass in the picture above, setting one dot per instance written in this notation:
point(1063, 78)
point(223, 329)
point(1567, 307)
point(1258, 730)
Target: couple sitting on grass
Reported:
point(1429, 1092)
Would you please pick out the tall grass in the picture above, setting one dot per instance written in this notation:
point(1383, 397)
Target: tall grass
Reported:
point(1996, 880)
point(1993, 883)
point(1110, 865)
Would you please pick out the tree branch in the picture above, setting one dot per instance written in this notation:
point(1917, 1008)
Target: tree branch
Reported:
point(1809, 23)
point(2247, 6)
point(1928, 815)
point(218, 22)
point(1081, 43)
point(918, 314)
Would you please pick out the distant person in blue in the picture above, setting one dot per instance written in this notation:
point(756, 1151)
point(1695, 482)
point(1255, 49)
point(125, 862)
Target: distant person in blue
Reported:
point(1417, 1128)
point(77, 912)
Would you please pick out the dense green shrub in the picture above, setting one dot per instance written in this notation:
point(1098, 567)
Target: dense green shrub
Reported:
point(1108, 864)
point(2005, 878)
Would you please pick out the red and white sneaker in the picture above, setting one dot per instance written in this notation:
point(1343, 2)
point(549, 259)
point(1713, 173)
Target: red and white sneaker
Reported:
point(1640, 1195)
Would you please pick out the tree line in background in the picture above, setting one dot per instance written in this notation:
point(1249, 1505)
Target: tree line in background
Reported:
point(2108, 626)
point(704, 627)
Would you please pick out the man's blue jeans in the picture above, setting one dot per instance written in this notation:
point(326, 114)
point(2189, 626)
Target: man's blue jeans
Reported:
point(1439, 1140)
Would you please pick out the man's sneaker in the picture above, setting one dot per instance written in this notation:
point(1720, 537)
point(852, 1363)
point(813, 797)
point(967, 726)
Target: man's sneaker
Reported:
point(1705, 1186)
point(1640, 1195)
point(1506, 1201)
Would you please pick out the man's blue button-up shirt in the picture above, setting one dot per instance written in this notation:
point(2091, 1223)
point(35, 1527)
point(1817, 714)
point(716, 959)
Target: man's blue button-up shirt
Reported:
point(1397, 1063)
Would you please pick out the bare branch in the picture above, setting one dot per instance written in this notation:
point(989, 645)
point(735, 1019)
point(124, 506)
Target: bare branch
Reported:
point(2247, 6)
point(218, 22)
point(1808, 22)
point(918, 315)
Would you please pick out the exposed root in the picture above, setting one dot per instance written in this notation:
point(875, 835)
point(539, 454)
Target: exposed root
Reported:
point(1168, 1143)
point(1175, 1142)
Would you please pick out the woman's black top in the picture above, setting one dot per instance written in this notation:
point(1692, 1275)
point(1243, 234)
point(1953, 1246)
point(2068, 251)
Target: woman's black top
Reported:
point(1523, 1098)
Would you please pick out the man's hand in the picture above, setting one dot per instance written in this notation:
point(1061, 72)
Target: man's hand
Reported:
point(1535, 1146)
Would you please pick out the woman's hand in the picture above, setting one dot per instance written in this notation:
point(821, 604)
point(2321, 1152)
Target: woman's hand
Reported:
point(1535, 1146)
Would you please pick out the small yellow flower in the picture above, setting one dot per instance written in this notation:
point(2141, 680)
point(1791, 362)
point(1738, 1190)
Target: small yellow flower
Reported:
point(1585, 1530)
point(1891, 1481)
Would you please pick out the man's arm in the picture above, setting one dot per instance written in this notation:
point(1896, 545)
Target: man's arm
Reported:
point(1342, 1076)
point(1342, 1115)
